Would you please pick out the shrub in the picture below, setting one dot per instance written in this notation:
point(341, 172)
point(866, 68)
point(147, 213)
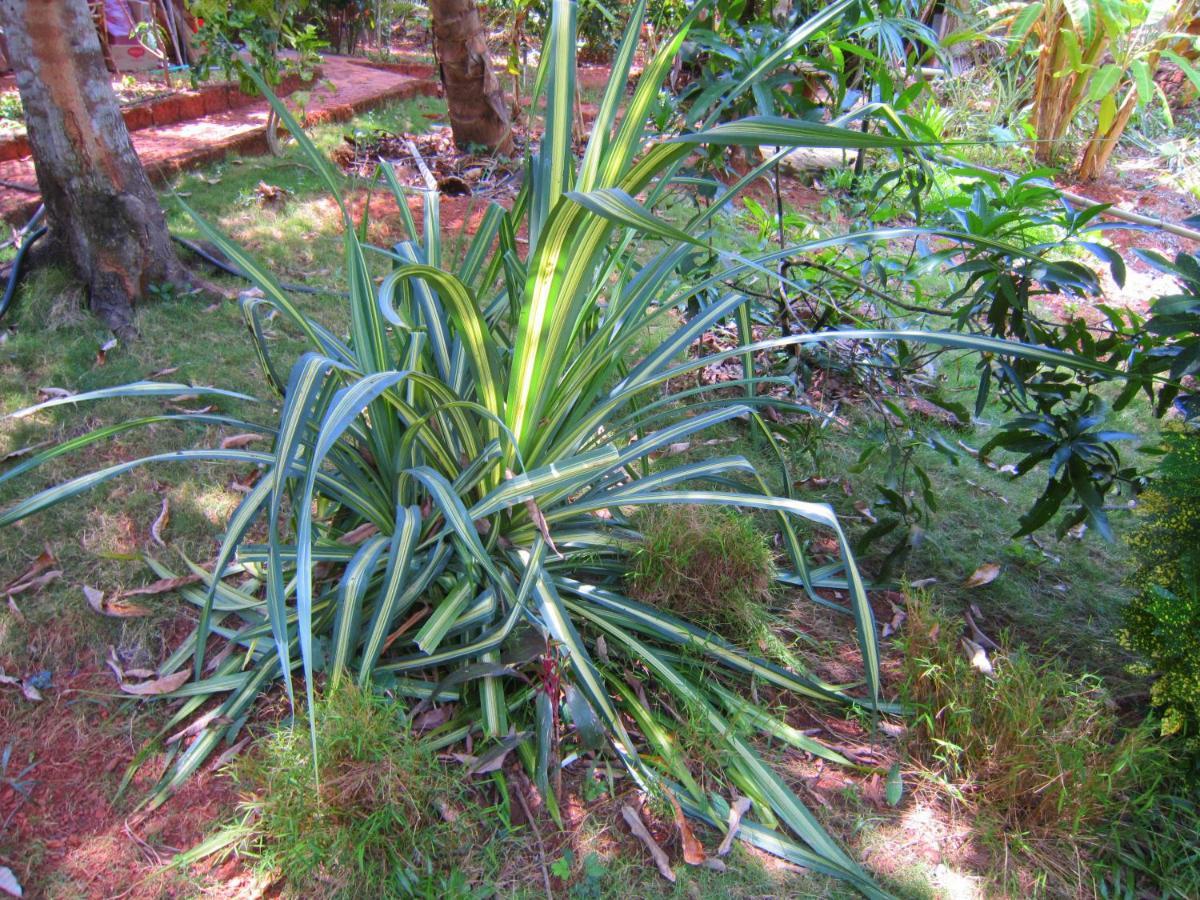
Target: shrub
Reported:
point(1035, 746)
point(708, 565)
point(1162, 622)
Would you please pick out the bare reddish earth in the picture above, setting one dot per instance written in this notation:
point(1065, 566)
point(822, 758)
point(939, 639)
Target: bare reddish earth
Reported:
point(69, 836)
point(165, 150)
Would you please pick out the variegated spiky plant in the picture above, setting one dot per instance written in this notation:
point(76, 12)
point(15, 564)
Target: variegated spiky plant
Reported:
point(474, 447)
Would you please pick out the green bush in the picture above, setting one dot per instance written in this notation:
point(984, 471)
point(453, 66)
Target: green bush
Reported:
point(1162, 622)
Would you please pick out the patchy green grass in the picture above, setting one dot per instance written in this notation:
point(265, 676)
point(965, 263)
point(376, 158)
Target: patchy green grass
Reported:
point(376, 815)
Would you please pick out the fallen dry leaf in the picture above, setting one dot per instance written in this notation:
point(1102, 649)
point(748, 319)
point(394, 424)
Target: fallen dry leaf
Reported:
point(985, 574)
point(539, 520)
point(162, 586)
point(978, 656)
point(164, 516)
point(114, 607)
point(737, 809)
point(431, 719)
point(359, 534)
point(224, 759)
point(209, 718)
point(163, 373)
point(102, 353)
point(34, 584)
point(163, 685)
point(634, 821)
point(238, 441)
point(693, 850)
point(24, 451)
point(44, 561)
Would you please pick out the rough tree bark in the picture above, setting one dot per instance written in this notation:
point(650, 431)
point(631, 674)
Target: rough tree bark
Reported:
point(103, 215)
point(478, 109)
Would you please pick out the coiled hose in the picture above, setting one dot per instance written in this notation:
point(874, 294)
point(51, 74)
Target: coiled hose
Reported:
point(33, 231)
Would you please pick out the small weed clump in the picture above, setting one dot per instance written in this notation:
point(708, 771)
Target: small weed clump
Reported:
point(1034, 746)
point(709, 565)
point(382, 817)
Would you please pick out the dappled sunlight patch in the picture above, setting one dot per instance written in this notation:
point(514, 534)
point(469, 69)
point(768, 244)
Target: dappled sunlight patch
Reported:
point(927, 842)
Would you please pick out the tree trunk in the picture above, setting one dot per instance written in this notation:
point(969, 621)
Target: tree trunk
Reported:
point(478, 109)
point(103, 215)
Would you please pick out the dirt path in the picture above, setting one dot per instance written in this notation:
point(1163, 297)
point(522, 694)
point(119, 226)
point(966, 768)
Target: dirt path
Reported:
point(165, 150)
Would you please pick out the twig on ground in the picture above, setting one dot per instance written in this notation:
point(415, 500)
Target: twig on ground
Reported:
point(642, 834)
point(537, 833)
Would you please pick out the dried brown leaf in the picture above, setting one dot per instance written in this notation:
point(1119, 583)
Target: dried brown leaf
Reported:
point(224, 759)
point(115, 607)
point(162, 586)
point(44, 561)
point(238, 441)
point(359, 534)
point(34, 584)
point(208, 719)
point(985, 574)
point(164, 517)
point(693, 850)
point(163, 685)
point(431, 719)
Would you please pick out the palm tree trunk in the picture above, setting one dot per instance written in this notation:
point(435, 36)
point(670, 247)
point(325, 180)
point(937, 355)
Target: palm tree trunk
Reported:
point(478, 107)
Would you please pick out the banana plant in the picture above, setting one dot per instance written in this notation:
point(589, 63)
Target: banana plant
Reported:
point(445, 512)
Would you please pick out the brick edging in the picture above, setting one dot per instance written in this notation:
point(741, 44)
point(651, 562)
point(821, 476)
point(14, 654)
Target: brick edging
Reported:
point(180, 106)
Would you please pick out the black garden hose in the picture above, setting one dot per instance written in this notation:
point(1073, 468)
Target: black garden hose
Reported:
point(33, 231)
point(235, 271)
point(14, 275)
